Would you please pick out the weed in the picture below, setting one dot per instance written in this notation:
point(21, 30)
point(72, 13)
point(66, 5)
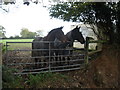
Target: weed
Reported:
point(43, 79)
point(40, 80)
point(34, 80)
point(9, 80)
point(3, 48)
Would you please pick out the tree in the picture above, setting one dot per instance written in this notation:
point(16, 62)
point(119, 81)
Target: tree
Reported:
point(25, 33)
point(11, 37)
point(2, 32)
point(104, 15)
point(39, 33)
point(17, 37)
point(9, 1)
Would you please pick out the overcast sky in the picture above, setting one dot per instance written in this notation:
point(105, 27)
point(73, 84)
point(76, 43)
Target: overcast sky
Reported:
point(34, 17)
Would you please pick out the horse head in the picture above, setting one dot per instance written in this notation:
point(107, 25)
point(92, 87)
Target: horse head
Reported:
point(77, 35)
point(60, 35)
point(55, 35)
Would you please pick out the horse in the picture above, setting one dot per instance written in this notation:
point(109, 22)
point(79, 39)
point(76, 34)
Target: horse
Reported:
point(71, 36)
point(54, 34)
point(75, 34)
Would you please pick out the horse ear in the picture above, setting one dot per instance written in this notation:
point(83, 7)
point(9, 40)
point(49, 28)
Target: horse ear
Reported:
point(61, 27)
point(77, 26)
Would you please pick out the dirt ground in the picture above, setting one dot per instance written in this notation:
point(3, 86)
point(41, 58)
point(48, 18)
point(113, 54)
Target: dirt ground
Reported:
point(100, 73)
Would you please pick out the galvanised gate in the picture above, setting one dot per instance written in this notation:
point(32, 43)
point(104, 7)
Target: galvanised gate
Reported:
point(19, 57)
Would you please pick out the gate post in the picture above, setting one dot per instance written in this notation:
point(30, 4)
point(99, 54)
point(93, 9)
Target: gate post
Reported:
point(0, 54)
point(1, 66)
point(6, 50)
point(86, 46)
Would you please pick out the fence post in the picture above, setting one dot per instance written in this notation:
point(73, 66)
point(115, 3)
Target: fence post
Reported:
point(6, 51)
point(1, 66)
point(6, 46)
point(86, 46)
point(0, 54)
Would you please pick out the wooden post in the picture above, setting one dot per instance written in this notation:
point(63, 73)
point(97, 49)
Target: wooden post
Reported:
point(0, 54)
point(1, 66)
point(86, 46)
point(7, 53)
point(6, 46)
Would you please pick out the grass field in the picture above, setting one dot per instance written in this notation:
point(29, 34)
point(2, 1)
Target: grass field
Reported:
point(17, 45)
point(15, 40)
point(25, 45)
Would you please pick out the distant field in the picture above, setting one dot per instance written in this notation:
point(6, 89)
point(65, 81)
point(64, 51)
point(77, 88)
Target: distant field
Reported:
point(28, 45)
point(16, 40)
point(17, 45)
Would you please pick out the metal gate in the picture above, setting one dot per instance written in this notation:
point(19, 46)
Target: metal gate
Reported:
point(19, 57)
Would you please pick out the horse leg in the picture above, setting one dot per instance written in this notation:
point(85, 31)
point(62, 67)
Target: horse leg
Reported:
point(56, 59)
point(36, 62)
point(34, 55)
point(69, 57)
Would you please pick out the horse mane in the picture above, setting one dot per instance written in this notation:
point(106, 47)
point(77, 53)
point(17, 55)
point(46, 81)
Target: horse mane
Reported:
point(53, 32)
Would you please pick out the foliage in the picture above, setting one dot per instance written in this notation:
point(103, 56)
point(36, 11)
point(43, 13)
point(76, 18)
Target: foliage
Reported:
point(42, 79)
point(34, 80)
point(25, 33)
point(17, 36)
point(9, 80)
point(2, 32)
point(39, 33)
point(6, 2)
point(3, 48)
point(104, 15)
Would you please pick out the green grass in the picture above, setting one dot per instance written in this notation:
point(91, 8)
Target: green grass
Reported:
point(41, 80)
point(16, 40)
point(17, 45)
point(9, 80)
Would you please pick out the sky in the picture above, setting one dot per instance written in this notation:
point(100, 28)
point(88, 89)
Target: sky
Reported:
point(34, 17)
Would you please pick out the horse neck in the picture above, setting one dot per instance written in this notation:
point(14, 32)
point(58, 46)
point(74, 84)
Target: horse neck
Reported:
point(49, 38)
point(45, 38)
point(69, 36)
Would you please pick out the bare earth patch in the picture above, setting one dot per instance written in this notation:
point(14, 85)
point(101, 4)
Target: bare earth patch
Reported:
point(100, 73)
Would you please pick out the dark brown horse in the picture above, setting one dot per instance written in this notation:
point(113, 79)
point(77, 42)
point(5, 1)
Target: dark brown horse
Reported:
point(71, 36)
point(54, 34)
point(75, 34)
